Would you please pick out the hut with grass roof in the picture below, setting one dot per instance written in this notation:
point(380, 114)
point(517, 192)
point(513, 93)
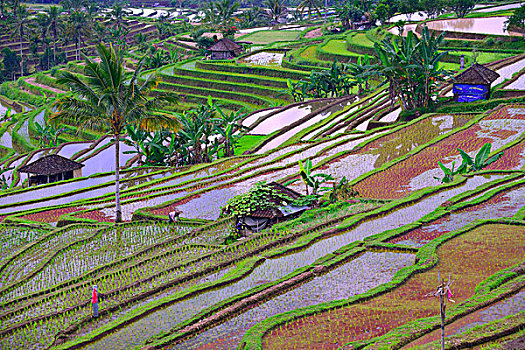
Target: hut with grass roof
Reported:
point(262, 218)
point(225, 49)
point(51, 168)
point(474, 84)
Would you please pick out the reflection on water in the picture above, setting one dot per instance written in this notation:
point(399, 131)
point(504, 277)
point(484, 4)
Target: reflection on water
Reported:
point(366, 272)
point(499, 8)
point(105, 160)
point(253, 118)
point(276, 142)
point(3, 109)
point(415, 16)
point(71, 149)
point(490, 25)
point(391, 117)
point(502, 205)
point(509, 70)
point(518, 84)
point(287, 117)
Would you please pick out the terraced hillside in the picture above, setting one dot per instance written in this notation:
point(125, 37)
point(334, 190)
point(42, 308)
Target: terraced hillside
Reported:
point(177, 270)
point(69, 49)
point(350, 272)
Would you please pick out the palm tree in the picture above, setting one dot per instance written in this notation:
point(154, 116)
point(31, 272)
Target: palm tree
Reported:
point(225, 9)
point(116, 16)
point(53, 13)
point(310, 5)
point(43, 22)
point(109, 99)
point(276, 10)
point(77, 29)
point(20, 25)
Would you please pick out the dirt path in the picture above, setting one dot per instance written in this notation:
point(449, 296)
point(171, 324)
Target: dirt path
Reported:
point(32, 81)
point(314, 33)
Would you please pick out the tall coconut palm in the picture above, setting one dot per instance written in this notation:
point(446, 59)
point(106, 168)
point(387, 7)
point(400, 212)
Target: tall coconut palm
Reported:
point(310, 6)
point(77, 29)
point(225, 9)
point(116, 17)
point(42, 23)
point(53, 13)
point(276, 10)
point(107, 98)
point(20, 26)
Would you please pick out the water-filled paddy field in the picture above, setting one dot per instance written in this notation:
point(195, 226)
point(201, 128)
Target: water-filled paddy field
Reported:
point(194, 285)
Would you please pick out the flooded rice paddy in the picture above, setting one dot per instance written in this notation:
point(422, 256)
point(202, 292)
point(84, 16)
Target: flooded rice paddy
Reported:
point(489, 25)
point(355, 277)
point(502, 205)
point(265, 58)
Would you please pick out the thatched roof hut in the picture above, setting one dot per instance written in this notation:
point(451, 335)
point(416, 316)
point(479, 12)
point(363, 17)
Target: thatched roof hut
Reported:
point(474, 83)
point(51, 168)
point(262, 218)
point(477, 74)
point(225, 49)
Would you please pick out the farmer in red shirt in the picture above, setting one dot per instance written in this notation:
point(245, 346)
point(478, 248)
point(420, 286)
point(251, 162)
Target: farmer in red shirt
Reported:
point(94, 302)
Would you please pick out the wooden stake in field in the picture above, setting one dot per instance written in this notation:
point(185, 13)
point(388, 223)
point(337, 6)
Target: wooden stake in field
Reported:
point(444, 294)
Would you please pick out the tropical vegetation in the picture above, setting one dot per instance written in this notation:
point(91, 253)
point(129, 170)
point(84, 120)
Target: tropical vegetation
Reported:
point(110, 100)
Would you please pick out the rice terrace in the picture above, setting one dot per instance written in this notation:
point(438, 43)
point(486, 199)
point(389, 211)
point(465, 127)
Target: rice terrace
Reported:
point(262, 174)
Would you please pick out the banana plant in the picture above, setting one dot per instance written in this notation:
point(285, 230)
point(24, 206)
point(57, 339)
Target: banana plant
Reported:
point(482, 159)
point(448, 173)
point(47, 135)
point(314, 181)
point(469, 164)
point(226, 126)
point(294, 90)
point(137, 140)
point(4, 185)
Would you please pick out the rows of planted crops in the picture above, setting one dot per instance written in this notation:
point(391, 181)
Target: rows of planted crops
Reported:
point(296, 285)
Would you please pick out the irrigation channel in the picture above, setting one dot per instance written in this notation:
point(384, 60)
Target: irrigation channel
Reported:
point(279, 267)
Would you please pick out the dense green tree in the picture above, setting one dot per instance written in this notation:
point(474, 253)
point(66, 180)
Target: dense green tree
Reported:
point(433, 8)
point(3, 8)
point(110, 100)
point(517, 19)
point(462, 7)
point(10, 64)
point(411, 67)
point(348, 13)
point(409, 6)
point(382, 12)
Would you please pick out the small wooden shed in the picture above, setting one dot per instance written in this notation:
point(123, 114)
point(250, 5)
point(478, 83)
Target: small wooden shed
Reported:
point(474, 84)
point(51, 168)
point(262, 218)
point(225, 49)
